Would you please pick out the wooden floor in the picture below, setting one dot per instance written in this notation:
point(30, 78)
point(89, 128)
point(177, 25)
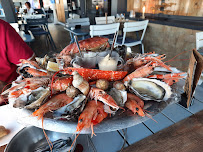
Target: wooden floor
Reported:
point(184, 136)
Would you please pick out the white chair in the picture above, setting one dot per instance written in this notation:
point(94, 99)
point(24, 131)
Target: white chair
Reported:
point(199, 45)
point(199, 40)
point(133, 27)
point(105, 30)
point(15, 26)
point(79, 21)
point(102, 20)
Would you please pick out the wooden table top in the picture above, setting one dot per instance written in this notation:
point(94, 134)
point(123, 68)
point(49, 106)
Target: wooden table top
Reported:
point(184, 136)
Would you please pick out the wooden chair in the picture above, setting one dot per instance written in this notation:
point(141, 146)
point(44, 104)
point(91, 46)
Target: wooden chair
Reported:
point(133, 27)
point(107, 30)
point(74, 22)
point(102, 20)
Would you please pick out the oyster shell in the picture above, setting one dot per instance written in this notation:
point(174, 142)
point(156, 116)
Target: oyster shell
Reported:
point(71, 110)
point(150, 89)
point(33, 99)
point(37, 97)
point(119, 96)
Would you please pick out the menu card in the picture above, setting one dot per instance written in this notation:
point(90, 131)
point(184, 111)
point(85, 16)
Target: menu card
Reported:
point(193, 74)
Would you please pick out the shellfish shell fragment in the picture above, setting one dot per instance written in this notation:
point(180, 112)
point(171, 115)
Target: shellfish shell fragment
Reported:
point(80, 83)
point(150, 89)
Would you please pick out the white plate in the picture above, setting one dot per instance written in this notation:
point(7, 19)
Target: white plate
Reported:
point(8, 119)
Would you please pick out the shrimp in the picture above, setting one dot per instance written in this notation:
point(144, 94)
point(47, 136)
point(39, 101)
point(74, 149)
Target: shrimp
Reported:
point(54, 103)
point(173, 75)
point(141, 60)
point(141, 72)
point(36, 72)
point(170, 81)
point(154, 59)
point(136, 105)
point(139, 101)
point(29, 62)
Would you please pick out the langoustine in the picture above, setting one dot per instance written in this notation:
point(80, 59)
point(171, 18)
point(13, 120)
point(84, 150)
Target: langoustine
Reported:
point(141, 72)
point(135, 104)
point(52, 104)
point(92, 114)
point(101, 95)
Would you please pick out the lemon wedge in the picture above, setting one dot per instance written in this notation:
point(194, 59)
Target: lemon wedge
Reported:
point(52, 66)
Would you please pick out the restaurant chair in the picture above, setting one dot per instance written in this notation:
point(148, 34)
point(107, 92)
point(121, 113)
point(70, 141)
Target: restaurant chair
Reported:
point(26, 37)
point(199, 42)
point(15, 26)
point(107, 30)
point(102, 20)
point(39, 27)
point(133, 27)
point(74, 22)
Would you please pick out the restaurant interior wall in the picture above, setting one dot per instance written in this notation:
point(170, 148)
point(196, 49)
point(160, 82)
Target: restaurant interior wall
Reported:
point(65, 8)
point(170, 7)
point(96, 8)
point(118, 6)
point(171, 41)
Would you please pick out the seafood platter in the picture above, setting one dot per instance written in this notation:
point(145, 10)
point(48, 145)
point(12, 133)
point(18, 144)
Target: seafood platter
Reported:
point(65, 94)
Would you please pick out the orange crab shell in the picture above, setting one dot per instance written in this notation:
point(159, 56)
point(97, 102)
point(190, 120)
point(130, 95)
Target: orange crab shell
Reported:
point(90, 44)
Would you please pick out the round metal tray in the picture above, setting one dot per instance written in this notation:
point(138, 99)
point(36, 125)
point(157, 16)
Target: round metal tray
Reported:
point(31, 138)
point(120, 121)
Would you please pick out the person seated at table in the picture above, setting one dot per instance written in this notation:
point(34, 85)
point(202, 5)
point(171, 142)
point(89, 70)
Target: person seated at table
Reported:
point(30, 10)
point(12, 49)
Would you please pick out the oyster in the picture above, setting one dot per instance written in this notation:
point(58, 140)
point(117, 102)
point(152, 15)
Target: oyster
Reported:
point(32, 100)
point(150, 89)
point(37, 98)
point(119, 96)
point(71, 110)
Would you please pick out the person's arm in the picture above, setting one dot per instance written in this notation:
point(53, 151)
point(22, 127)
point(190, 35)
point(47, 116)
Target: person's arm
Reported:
point(2, 88)
point(16, 48)
point(31, 10)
